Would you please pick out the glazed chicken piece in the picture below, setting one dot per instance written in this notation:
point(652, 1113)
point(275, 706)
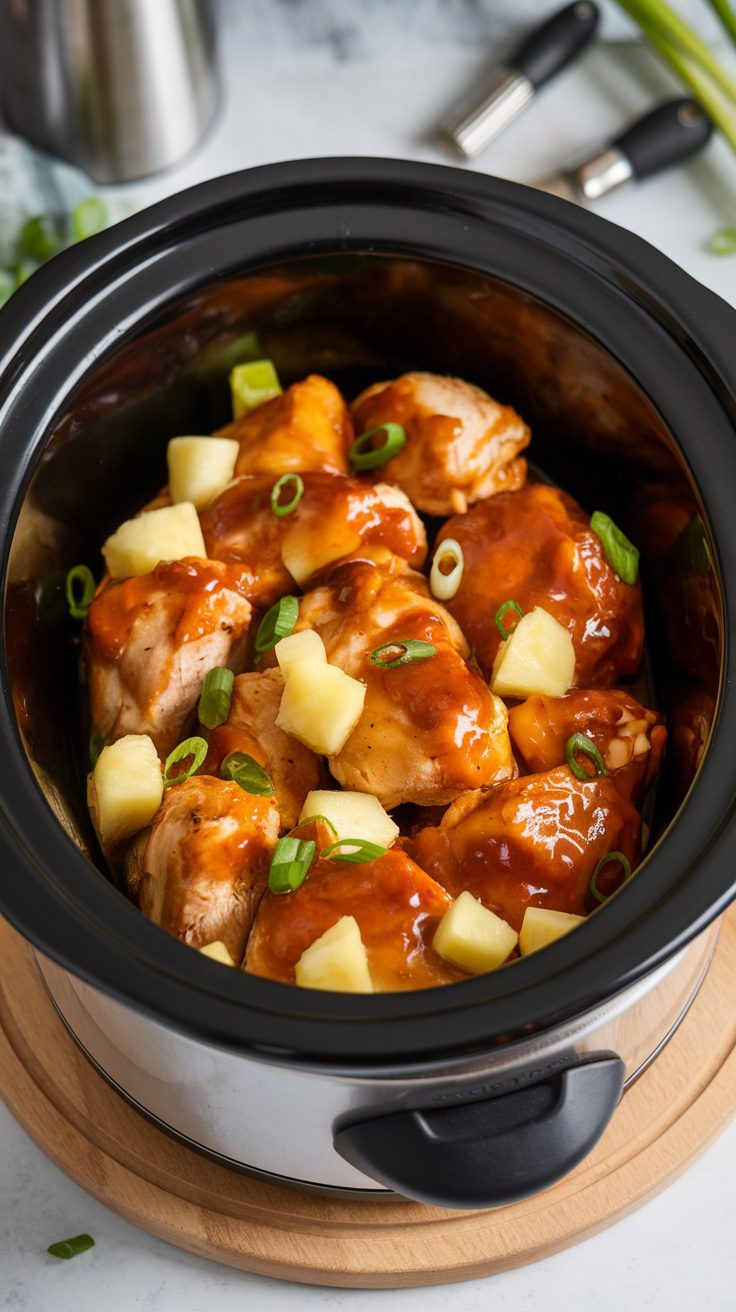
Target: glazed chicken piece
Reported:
point(630, 738)
point(397, 908)
point(201, 868)
point(335, 519)
point(428, 730)
point(535, 547)
point(308, 427)
point(533, 842)
point(462, 446)
point(251, 728)
point(150, 640)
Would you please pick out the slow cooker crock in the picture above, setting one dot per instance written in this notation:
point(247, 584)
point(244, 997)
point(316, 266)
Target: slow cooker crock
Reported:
point(481, 1092)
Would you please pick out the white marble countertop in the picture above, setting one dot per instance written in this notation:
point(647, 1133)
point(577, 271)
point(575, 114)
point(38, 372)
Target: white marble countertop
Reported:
point(679, 1251)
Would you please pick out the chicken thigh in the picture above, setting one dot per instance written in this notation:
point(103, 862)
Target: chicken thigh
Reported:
point(536, 547)
point(201, 869)
point(428, 730)
point(150, 640)
point(308, 427)
point(533, 842)
point(461, 445)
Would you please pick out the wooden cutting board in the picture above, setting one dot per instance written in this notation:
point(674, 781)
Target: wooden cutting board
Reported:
point(666, 1119)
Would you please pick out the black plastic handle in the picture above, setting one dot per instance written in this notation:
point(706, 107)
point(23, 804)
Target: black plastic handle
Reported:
point(669, 134)
point(485, 1154)
point(557, 42)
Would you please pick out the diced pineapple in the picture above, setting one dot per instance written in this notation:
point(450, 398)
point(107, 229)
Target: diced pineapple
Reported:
point(166, 534)
point(299, 647)
point(200, 467)
point(217, 952)
point(337, 960)
point(538, 658)
point(540, 927)
point(320, 705)
point(128, 787)
point(472, 937)
point(354, 815)
point(305, 552)
point(251, 384)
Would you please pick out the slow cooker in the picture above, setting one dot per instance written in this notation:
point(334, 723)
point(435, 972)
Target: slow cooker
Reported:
point(483, 1092)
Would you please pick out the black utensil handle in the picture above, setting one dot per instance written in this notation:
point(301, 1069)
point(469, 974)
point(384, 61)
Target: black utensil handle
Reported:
point(499, 1150)
point(556, 42)
point(666, 136)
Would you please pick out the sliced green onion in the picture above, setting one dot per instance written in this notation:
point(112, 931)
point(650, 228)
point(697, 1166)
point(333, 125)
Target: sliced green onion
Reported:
point(40, 237)
point(285, 508)
point(581, 743)
point(444, 583)
point(723, 242)
point(290, 864)
point(251, 384)
point(96, 744)
point(360, 851)
point(278, 622)
point(621, 554)
point(364, 455)
point(80, 590)
point(247, 774)
point(410, 652)
point(610, 856)
point(88, 218)
point(313, 820)
point(215, 697)
point(195, 747)
point(504, 609)
point(71, 1247)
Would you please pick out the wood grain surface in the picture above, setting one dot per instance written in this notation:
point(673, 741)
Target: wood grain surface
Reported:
point(665, 1120)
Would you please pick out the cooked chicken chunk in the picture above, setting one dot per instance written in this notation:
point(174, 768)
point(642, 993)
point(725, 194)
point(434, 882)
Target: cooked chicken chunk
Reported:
point(462, 446)
point(202, 867)
point(533, 842)
point(251, 728)
point(428, 730)
point(397, 908)
point(336, 518)
point(630, 738)
point(150, 640)
point(535, 547)
point(306, 428)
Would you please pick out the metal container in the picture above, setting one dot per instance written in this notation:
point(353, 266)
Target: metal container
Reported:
point(484, 1091)
point(122, 88)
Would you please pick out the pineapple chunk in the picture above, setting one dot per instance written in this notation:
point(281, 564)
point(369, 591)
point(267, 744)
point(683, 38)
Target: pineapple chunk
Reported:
point(217, 952)
point(538, 658)
point(540, 927)
point(299, 647)
point(128, 787)
point(165, 534)
point(200, 467)
point(472, 937)
point(304, 552)
point(354, 815)
point(320, 705)
point(336, 960)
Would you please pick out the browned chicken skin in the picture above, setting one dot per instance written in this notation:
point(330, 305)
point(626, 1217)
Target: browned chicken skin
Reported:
point(202, 867)
point(150, 640)
point(630, 738)
point(533, 842)
point(308, 427)
point(428, 730)
point(397, 908)
point(251, 728)
point(461, 447)
point(337, 518)
point(535, 547)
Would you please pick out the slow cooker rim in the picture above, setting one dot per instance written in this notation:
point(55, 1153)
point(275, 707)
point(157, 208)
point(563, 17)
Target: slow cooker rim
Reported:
point(160, 958)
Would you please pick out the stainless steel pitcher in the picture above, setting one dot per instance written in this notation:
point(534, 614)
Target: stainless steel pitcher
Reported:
point(122, 88)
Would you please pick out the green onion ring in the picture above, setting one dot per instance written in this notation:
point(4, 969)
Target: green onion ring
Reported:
point(580, 742)
point(245, 771)
point(278, 622)
point(363, 455)
point(610, 856)
point(67, 1248)
point(503, 609)
point(80, 591)
point(196, 747)
point(622, 555)
point(312, 820)
point(290, 864)
point(215, 697)
point(276, 490)
point(723, 242)
point(411, 652)
point(363, 851)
